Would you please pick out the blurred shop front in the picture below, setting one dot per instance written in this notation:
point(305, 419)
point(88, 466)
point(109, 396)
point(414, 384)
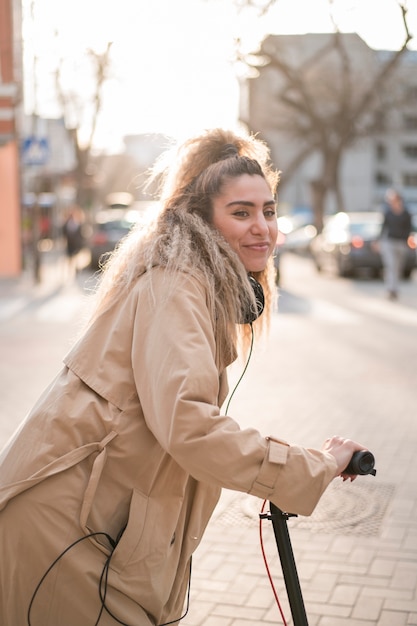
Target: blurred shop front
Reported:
point(10, 102)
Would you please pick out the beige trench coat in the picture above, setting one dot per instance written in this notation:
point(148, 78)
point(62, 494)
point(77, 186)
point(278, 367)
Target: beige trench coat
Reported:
point(129, 442)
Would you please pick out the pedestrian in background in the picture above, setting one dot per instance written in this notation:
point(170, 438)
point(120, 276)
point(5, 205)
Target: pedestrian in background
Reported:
point(108, 485)
point(396, 229)
point(73, 231)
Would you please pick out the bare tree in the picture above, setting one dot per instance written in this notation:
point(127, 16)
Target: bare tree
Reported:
point(262, 6)
point(324, 103)
point(80, 109)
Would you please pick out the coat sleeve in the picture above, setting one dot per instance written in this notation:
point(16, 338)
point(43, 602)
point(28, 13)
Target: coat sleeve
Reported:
point(173, 357)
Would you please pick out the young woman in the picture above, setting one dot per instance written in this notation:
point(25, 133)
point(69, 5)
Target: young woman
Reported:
point(107, 487)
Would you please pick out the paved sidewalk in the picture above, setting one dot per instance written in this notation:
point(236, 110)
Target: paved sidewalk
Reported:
point(357, 554)
point(18, 293)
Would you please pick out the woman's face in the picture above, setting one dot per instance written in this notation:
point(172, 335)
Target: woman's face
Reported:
point(245, 213)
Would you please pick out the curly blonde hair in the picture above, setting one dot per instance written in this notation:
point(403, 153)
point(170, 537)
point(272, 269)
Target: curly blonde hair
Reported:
point(183, 239)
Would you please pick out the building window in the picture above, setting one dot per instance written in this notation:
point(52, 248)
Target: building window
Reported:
point(410, 180)
point(381, 151)
point(382, 179)
point(410, 151)
point(410, 122)
point(379, 121)
point(411, 93)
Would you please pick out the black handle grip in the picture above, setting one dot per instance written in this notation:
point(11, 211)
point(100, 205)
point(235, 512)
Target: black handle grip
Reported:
point(362, 462)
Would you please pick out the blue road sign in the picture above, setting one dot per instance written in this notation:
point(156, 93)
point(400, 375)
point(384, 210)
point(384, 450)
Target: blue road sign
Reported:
point(35, 151)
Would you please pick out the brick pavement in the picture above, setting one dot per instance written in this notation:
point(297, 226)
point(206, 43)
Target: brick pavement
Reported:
point(356, 556)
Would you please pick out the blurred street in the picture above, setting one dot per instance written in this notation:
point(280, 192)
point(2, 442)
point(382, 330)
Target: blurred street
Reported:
point(340, 359)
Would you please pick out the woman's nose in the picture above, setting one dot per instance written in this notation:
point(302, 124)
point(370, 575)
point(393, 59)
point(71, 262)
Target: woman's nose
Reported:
point(260, 225)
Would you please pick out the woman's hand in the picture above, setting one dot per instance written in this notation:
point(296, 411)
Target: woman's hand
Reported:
point(342, 450)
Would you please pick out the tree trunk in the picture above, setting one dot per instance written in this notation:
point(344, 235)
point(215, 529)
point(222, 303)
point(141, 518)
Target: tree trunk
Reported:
point(318, 196)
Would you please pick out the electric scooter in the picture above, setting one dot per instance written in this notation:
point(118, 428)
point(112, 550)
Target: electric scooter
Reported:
point(362, 463)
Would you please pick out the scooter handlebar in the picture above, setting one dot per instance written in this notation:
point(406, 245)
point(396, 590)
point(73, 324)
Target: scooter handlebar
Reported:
point(362, 462)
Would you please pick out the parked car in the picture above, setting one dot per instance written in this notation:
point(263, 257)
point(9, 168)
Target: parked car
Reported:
point(291, 239)
point(413, 236)
point(299, 239)
point(277, 256)
point(348, 245)
point(110, 226)
point(297, 229)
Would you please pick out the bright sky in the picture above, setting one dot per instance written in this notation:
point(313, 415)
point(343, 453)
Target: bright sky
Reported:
point(172, 69)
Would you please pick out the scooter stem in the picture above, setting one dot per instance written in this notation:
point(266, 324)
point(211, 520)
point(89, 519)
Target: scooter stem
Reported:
point(289, 568)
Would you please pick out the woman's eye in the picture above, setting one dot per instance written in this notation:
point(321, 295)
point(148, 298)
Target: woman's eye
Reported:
point(270, 213)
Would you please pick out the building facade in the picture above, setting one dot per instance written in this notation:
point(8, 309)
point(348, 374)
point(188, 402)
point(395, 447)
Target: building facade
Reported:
point(307, 89)
point(10, 106)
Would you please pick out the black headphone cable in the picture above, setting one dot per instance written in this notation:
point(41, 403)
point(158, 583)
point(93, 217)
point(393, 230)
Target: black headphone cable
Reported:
point(103, 579)
point(244, 370)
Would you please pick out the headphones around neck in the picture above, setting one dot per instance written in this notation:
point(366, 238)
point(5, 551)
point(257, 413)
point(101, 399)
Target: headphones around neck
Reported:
point(250, 315)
